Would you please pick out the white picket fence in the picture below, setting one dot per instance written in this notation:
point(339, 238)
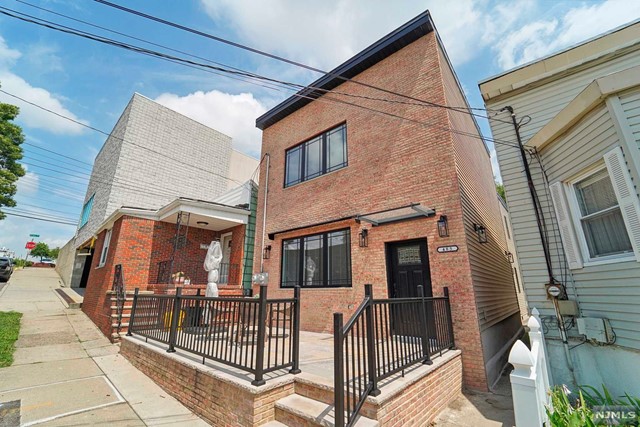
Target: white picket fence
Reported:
point(530, 377)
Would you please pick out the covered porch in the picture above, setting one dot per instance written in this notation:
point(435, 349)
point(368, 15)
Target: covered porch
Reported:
point(177, 260)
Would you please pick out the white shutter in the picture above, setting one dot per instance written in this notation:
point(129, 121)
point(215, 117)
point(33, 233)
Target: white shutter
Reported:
point(569, 241)
point(626, 194)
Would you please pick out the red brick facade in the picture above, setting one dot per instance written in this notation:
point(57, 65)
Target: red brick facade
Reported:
point(139, 245)
point(391, 163)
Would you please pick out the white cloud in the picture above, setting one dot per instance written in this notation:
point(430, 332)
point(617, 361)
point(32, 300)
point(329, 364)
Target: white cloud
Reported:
point(542, 37)
point(233, 115)
point(29, 183)
point(7, 55)
point(30, 115)
point(324, 34)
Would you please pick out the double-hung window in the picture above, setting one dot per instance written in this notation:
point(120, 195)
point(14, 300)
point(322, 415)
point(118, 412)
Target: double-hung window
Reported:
point(598, 214)
point(319, 260)
point(320, 155)
point(105, 248)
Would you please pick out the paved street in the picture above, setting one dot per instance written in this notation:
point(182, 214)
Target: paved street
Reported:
point(66, 373)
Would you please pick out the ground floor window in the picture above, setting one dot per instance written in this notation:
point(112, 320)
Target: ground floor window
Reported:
point(318, 260)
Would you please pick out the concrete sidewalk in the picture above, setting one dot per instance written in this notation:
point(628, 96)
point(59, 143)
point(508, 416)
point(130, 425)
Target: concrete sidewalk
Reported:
point(66, 373)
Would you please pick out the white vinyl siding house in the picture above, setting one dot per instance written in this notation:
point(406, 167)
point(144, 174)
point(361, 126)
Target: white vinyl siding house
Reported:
point(584, 129)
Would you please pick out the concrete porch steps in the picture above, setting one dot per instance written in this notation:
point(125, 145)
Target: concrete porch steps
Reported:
point(296, 410)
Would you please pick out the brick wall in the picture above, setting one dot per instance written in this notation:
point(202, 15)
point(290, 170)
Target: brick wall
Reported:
point(391, 163)
point(219, 402)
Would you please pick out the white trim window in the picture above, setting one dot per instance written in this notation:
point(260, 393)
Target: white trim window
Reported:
point(105, 248)
point(600, 218)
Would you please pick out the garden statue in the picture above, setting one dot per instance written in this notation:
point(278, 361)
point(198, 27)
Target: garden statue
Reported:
point(212, 265)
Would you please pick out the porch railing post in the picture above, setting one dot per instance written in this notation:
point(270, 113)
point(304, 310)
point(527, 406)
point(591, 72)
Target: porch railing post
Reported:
point(132, 317)
point(338, 369)
point(449, 318)
point(295, 333)
point(371, 345)
point(175, 314)
point(262, 326)
point(425, 327)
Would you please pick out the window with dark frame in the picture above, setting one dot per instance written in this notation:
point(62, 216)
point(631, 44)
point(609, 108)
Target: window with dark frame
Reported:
point(317, 261)
point(320, 155)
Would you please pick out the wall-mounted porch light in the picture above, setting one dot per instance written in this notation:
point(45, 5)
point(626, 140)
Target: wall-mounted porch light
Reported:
point(266, 252)
point(363, 238)
point(203, 223)
point(443, 226)
point(481, 232)
point(509, 256)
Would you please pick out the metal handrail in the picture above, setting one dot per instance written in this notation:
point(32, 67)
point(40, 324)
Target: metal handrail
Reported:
point(120, 291)
point(382, 338)
point(256, 335)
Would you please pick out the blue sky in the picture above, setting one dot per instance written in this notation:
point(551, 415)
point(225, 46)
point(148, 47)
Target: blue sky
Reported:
point(92, 83)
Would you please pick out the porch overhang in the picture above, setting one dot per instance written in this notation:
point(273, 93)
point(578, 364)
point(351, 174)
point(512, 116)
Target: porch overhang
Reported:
point(403, 213)
point(205, 215)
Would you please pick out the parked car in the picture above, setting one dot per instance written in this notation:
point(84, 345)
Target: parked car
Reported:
point(6, 269)
point(49, 261)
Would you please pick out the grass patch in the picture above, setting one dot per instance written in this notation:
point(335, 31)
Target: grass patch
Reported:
point(9, 329)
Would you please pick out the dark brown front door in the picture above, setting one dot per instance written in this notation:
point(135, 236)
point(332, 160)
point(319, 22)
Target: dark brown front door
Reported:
point(408, 268)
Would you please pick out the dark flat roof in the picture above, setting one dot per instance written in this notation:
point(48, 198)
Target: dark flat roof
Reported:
point(386, 46)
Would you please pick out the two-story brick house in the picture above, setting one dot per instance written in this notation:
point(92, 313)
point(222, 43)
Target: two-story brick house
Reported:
point(355, 181)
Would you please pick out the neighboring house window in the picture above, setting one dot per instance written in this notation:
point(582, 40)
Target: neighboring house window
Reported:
point(105, 248)
point(86, 211)
point(600, 217)
point(598, 214)
point(318, 156)
point(319, 260)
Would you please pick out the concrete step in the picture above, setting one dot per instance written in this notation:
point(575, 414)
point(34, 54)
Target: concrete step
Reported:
point(297, 410)
point(273, 424)
point(315, 387)
point(70, 298)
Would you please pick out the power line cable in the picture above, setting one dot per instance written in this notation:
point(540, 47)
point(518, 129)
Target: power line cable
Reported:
point(43, 214)
point(75, 224)
point(276, 57)
point(56, 153)
point(18, 204)
point(160, 55)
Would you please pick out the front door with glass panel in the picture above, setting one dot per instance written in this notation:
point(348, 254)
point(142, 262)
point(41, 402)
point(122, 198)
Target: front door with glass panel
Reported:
point(225, 244)
point(408, 268)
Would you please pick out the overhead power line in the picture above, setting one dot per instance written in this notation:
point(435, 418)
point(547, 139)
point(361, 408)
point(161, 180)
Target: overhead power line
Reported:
point(100, 39)
point(273, 56)
point(58, 154)
point(37, 218)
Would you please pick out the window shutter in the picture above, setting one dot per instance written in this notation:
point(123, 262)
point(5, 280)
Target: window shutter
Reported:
point(626, 194)
point(569, 242)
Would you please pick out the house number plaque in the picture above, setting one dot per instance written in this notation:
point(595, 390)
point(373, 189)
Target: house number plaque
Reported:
point(445, 249)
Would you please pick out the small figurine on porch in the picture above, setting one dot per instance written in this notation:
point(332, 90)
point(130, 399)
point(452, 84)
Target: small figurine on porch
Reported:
point(212, 264)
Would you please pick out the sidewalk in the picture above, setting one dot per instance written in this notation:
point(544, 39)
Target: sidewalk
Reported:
point(66, 373)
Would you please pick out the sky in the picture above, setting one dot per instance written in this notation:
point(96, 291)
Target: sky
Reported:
point(91, 83)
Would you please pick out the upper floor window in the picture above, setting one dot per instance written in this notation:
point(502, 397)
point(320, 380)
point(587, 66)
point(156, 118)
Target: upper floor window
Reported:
point(598, 214)
point(600, 217)
point(320, 155)
point(319, 260)
point(86, 211)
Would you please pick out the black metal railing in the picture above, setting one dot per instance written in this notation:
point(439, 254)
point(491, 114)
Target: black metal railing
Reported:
point(382, 338)
point(120, 292)
point(256, 335)
point(192, 272)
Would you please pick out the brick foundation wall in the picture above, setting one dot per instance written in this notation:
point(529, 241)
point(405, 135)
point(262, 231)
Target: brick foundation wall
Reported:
point(219, 402)
point(420, 403)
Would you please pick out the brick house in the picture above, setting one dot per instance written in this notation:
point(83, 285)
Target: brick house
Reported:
point(152, 156)
point(164, 249)
point(354, 188)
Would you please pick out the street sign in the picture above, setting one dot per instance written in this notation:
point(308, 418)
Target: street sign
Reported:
point(30, 245)
point(34, 235)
